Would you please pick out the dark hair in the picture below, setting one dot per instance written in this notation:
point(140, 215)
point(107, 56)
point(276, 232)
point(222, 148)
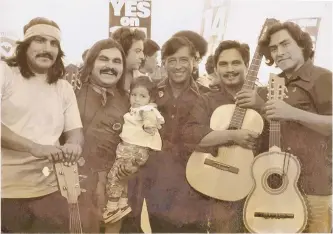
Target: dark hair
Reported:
point(20, 59)
point(146, 82)
point(302, 39)
point(210, 64)
point(125, 37)
point(198, 41)
point(172, 45)
point(92, 55)
point(84, 54)
point(150, 47)
point(242, 48)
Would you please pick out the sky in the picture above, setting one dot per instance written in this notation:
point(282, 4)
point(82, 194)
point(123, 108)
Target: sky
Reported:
point(83, 22)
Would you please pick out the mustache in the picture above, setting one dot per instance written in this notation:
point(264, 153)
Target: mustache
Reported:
point(230, 74)
point(45, 55)
point(109, 70)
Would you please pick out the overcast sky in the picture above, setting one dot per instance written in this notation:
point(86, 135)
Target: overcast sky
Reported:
point(83, 22)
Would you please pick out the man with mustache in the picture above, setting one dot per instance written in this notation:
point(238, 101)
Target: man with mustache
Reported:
point(200, 45)
point(102, 102)
point(305, 115)
point(37, 107)
point(131, 41)
point(231, 64)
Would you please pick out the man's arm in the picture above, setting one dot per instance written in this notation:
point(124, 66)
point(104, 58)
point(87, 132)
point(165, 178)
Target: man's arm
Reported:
point(13, 141)
point(319, 123)
point(74, 136)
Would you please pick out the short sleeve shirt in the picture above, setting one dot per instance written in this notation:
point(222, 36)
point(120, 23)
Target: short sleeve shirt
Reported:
point(40, 112)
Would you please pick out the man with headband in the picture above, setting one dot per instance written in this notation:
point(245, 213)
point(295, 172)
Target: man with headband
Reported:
point(37, 108)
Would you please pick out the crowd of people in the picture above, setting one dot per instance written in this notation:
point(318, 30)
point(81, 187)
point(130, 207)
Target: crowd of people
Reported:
point(136, 128)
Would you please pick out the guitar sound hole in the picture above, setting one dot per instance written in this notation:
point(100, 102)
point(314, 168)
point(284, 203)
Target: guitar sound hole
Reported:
point(274, 181)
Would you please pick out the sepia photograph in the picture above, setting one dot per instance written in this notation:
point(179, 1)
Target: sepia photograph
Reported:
point(166, 116)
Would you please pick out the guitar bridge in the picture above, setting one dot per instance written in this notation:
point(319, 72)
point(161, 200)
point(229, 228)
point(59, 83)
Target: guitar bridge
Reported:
point(274, 215)
point(221, 166)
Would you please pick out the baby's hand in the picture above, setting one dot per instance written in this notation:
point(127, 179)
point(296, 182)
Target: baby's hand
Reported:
point(150, 129)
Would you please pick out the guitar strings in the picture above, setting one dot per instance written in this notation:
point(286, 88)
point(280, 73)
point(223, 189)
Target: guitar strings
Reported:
point(75, 220)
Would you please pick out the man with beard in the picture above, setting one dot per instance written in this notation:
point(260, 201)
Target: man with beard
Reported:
point(231, 63)
point(305, 115)
point(131, 41)
point(37, 107)
point(102, 103)
point(200, 45)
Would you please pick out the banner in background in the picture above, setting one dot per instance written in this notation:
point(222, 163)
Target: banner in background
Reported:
point(7, 44)
point(309, 25)
point(214, 22)
point(132, 13)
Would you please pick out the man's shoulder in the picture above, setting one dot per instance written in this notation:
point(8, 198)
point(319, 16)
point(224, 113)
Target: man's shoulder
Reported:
point(320, 73)
point(7, 70)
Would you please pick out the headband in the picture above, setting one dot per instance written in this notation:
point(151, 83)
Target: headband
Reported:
point(43, 29)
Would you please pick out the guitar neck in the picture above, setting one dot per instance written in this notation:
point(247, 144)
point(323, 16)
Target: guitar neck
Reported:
point(274, 134)
point(75, 226)
point(253, 70)
point(249, 83)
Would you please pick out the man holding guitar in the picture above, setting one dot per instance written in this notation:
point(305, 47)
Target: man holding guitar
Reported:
point(37, 107)
point(305, 115)
point(231, 64)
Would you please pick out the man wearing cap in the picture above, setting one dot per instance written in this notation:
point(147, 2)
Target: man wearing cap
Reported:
point(37, 107)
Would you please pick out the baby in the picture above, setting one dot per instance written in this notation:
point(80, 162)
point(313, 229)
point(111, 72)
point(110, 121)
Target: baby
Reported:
point(139, 135)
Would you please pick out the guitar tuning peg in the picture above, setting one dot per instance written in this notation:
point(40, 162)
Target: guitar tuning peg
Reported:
point(83, 190)
point(83, 176)
point(47, 171)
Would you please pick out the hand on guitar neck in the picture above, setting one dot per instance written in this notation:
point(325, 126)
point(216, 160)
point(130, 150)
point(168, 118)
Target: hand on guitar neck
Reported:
point(249, 99)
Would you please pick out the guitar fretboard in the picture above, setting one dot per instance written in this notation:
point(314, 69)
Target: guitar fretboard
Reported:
point(74, 219)
point(251, 77)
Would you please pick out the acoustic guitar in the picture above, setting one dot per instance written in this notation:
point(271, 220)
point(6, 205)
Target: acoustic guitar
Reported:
point(69, 186)
point(228, 176)
point(275, 204)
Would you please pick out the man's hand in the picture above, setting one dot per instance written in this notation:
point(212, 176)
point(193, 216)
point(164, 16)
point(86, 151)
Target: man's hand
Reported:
point(245, 138)
point(52, 152)
point(249, 99)
point(71, 152)
point(280, 110)
point(100, 198)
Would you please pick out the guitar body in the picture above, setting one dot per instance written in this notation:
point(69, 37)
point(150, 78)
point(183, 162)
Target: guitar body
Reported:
point(275, 205)
point(228, 176)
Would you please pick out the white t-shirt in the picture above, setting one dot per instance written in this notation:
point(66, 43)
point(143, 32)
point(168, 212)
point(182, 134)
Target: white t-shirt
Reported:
point(40, 112)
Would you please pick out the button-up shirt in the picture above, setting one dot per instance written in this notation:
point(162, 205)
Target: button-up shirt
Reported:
point(309, 89)
point(102, 125)
point(162, 180)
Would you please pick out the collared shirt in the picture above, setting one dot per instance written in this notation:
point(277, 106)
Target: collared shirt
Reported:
point(162, 181)
point(309, 89)
point(101, 125)
point(175, 112)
